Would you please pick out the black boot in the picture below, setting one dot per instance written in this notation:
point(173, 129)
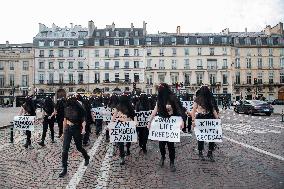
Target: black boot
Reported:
point(122, 161)
point(162, 161)
point(87, 161)
point(127, 152)
point(210, 156)
point(63, 172)
point(172, 166)
point(201, 157)
point(41, 143)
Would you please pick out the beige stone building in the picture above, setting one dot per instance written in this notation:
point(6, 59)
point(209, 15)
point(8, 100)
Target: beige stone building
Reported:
point(16, 71)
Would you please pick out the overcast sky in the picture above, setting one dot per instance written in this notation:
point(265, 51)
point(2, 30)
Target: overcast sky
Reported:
point(19, 18)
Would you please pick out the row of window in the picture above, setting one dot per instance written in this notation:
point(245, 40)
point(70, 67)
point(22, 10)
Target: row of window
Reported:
point(61, 43)
point(259, 52)
point(11, 79)
point(258, 41)
point(249, 63)
point(259, 78)
point(60, 53)
point(25, 65)
point(97, 78)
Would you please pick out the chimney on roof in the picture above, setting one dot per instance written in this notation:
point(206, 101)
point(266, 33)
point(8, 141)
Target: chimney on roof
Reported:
point(278, 29)
point(132, 26)
point(144, 28)
point(178, 30)
point(246, 31)
point(53, 27)
point(267, 30)
point(71, 25)
point(7, 43)
point(112, 26)
point(226, 31)
point(91, 28)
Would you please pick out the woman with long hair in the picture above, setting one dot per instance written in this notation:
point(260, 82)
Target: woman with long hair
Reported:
point(28, 109)
point(124, 111)
point(204, 107)
point(167, 106)
point(143, 104)
point(48, 120)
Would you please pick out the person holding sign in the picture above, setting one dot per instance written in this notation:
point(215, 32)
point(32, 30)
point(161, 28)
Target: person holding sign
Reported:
point(112, 104)
point(48, 120)
point(167, 106)
point(123, 112)
point(204, 108)
point(74, 127)
point(28, 109)
point(143, 104)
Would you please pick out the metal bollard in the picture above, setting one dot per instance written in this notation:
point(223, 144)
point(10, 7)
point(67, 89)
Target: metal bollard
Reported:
point(282, 115)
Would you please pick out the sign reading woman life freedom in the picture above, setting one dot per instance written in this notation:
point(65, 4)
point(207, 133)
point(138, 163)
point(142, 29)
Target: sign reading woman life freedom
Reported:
point(165, 129)
point(208, 130)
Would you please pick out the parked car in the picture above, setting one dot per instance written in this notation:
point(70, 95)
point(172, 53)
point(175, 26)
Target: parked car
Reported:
point(254, 107)
point(278, 102)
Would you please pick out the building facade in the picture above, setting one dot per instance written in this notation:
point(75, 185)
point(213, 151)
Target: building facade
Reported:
point(235, 64)
point(16, 71)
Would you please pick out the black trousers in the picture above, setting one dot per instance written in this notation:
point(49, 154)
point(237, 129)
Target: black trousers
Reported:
point(201, 143)
point(143, 133)
point(99, 125)
point(75, 133)
point(60, 125)
point(87, 134)
point(171, 148)
point(29, 135)
point(121, 148)
point(48, 122)
point(189, 123)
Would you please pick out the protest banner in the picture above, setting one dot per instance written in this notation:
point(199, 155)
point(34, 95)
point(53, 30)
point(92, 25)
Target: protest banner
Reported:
point(107, 114)
point(188, 105)
point(165, 129)
point(97, 113)
point(208, 130)
point(24, 123)
point(143, 117)
point(122, 131)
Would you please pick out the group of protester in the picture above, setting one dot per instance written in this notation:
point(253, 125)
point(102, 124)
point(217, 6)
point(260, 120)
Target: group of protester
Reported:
point(74, 119)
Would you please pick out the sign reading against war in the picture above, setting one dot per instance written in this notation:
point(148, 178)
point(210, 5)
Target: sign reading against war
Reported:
point(188, 105)
point(143, 117)
point(208, 130)
point(165, 129)
point(123, 131)
point(24, 123)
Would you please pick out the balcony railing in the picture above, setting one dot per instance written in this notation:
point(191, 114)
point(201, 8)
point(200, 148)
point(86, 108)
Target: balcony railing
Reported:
point(199, 67)
point(212, 67)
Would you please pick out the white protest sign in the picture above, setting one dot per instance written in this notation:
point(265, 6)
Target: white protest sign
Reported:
point(165, 129)
point(208, 130)
point(188, 105)
point(143, 117)
point(24, 123)
point(107, 114)
point(97, 113)
point(123, 131)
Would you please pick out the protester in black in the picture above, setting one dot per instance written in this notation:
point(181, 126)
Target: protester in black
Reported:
point(112, 104)
point(204, 107)
point(89, 121)
point(123, 112)
point(74, 126)
point(143, 104)
point(28, 109)
point(48, 120)
point(167, 106)
point(60, 114)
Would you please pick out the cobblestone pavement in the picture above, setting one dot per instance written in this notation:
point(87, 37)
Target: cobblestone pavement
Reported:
point(237, 165)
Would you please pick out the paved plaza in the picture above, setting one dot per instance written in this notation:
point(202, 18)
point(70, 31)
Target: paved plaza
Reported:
point(251, 156)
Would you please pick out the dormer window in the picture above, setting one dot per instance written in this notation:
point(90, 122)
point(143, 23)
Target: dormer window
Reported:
point(174, 40)
point(269, 41)
point(224, 40)
point(258, 41)
point(136, 33)
point(211, 40)
point(97, 34)
point(107, 33)
point(161, 40)
point(51, 43)
point(199, 41)
point(247, 41)
point(126, 34)
point(148, 41)
point(236, 41)
point(117, 33)
point(186, 40)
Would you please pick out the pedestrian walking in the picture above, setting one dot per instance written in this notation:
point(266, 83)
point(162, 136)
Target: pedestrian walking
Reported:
point(74, 127)
point(89, 121)
point(167, 106)
point(60, 114)
point(112, 104)
point(97, 102)
point(204, 107)
point(48, 120)
point(143, 104)
point(124, 111)
point(28, 109)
